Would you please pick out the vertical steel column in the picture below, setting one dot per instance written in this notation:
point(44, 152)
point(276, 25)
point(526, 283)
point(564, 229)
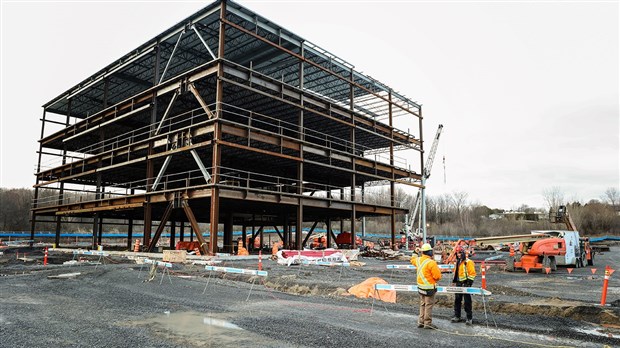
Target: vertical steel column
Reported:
point(217, 134)
point(352, 106)
point(129, 233)
point(228, 233)
point(285, 232)
point(62, 184)
point(251, 246)
point(393, 178)
point(364, 217)
point(35, 204)
point(100, 234)
point(328, 228)
point(150, 166)
point(261, 235)
point(182, 231)
point(244, 236)
point(173, 231)
point(300, 164)
point(130, 227)
point(97, 216)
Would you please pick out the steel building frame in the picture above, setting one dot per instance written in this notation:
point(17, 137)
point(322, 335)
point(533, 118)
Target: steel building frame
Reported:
point(224, 117)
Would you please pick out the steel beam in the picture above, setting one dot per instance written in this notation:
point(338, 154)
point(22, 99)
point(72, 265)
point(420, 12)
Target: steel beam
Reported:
point(244, 236)
point(228, 233)
point(161, 172)
point(129, 234)
point(203, 41)
point(303, 244)
point(279, 234)
point(161, 226)
point(163, 118)
point(192, 220)
point(182, 231)
point(173, 231)
point(201, 101)
point(163, 74)
point(203, 170)
point(314, 64)
point(286, 232)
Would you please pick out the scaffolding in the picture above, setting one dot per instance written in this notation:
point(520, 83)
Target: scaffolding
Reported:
point(225, 118)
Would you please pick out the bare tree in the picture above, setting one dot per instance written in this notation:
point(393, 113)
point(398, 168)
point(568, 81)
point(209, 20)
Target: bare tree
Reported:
point(459, 199)
point(612, 195)
point(554, 197)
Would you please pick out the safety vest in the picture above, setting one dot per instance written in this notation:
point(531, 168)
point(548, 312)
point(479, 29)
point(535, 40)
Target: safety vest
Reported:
point(423, 283)
point(466, 270)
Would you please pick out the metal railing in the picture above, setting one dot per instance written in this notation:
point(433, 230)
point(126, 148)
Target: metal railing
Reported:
point(229, 177)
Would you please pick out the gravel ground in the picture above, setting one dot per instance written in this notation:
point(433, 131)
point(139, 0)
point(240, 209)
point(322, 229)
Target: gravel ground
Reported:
point(111, 305)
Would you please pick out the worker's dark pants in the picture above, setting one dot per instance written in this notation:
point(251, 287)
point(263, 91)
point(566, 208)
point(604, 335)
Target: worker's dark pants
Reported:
point(458, 299)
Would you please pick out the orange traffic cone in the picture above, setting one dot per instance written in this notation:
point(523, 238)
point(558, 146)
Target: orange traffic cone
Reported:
point(608, 273)
point(260, 260)
point(136, 246)
point(483, 270)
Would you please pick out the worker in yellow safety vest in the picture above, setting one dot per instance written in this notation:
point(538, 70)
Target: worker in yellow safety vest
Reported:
point(464, 275)
point(428, 274)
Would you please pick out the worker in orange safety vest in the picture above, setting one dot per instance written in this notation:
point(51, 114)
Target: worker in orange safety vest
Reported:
point(464, 275)
point(428, 274)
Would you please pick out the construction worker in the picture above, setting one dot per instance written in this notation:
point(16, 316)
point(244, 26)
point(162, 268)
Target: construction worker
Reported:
point(464, 275)
point(428, 274)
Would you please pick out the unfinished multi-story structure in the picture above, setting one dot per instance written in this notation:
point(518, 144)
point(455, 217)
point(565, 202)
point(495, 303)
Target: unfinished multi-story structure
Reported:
point(224, 117)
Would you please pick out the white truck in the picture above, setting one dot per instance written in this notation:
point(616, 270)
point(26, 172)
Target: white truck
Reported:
point(578, 252)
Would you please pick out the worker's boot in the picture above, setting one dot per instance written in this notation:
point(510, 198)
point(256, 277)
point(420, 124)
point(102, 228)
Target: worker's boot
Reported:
point(456, 320)
point(469, 322)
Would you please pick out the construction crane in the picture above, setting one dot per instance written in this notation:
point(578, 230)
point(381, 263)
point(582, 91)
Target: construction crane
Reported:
point(426, 173)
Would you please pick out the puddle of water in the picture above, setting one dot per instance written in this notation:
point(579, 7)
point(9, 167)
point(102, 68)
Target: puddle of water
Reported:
point(220, 323)
point(202, 330)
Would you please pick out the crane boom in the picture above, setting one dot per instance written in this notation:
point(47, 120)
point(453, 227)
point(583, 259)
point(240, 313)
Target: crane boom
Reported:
point(431, 154)
point(427, 173)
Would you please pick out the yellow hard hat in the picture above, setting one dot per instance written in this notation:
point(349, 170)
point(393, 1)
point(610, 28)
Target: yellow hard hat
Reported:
point(426, 247)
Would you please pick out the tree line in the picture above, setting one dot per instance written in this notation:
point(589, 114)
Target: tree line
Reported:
point(447, 214)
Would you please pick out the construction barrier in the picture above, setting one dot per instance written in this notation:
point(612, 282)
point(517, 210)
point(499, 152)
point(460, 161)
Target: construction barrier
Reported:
point(86, 252)
point(325, 263)
point(443, 268)
point(236, 270)
point(444, 289)
point(205, 262)
point(158, 263)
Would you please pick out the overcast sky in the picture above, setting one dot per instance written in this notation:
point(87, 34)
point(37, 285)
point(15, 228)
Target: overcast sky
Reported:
point(527, 91)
